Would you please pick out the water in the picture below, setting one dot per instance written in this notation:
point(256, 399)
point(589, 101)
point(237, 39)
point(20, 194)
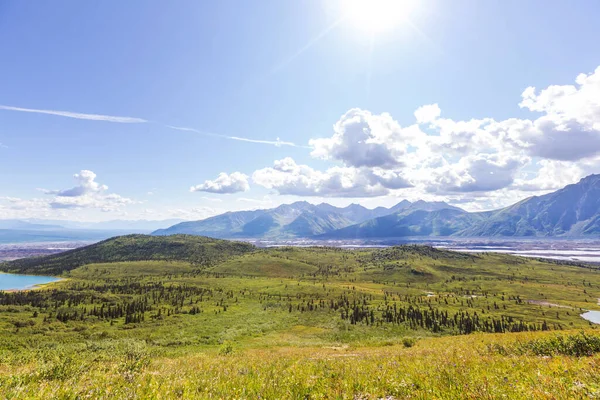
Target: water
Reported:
point(21, 282)
point(592, 316)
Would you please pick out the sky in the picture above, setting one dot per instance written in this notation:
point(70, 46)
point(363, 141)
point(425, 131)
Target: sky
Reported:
point(152, 110)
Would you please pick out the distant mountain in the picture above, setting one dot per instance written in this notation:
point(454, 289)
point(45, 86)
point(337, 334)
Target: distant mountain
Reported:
point(41, 230)
point(223, 225)
point(417, 219)
point(56, 235)
point(300, 219)
point(569, 212)
point(26, 225)
point(134, 226)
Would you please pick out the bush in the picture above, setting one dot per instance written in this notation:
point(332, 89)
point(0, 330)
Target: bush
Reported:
point(572, 345)
point(576, 345)
point(226, 349)
point(409, 342)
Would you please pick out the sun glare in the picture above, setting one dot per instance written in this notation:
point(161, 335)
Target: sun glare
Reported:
point(376, 16)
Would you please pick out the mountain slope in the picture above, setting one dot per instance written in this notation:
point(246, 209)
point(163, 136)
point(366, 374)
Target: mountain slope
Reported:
point(411, 222)
point(571, 211)
point(299, 219)
point(196, 249)
point(220, 226)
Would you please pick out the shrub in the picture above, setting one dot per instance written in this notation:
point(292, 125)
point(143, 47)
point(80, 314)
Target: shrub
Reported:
point(575, 345)
point(226, 349)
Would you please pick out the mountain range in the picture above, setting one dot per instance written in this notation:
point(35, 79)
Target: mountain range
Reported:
point(573, 211)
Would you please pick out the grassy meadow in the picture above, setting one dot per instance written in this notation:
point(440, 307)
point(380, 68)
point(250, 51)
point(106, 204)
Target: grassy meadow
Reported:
point(241, 322)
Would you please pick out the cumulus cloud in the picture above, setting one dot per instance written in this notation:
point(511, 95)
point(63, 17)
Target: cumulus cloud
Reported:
point(363, 139)
point(472, 161)
point(224, 184)
point(554, 139)
point(476, 173)
point(87, 185)
point(289, 178)
point(427, 113)
point(569, 102)
point(552, 175)
point(86, 194)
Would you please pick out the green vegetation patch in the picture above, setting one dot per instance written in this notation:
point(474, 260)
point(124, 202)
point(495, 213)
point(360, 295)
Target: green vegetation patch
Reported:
point(295, 323)
point(199, 250)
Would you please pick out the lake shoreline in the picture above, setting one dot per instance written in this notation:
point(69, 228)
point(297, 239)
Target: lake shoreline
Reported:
point(29, 282)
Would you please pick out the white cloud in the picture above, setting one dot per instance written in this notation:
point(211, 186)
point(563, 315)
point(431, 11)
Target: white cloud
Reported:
point(462, 137)
point(464, 161)
point(87, 185)
point(88, 194)
point(362, 139)
point(289, 178)
point(568, 102)
point(552, 175)
point(224, 184)
point(427, 113)
point(70, 114)
point(476, 173)
point(554, 139)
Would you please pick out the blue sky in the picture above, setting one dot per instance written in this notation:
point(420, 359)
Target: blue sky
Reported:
point(288, 71)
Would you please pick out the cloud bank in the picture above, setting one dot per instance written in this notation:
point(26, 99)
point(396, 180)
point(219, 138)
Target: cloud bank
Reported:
point(459, 160)
point(87, 194)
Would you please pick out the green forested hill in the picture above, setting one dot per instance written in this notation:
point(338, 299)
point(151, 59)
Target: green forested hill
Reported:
point(198, 250)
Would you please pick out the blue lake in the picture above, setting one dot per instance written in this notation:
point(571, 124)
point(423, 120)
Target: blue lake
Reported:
point(20, 282)
point(592, 316)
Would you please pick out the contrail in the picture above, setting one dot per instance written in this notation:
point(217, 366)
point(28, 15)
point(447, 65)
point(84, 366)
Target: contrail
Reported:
point(134, 120)
point(277, 143)
point(69, 114)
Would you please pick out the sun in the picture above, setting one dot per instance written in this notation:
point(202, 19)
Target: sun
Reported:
point(375, 16)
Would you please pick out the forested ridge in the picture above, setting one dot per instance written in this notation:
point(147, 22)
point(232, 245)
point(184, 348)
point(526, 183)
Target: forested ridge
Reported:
point(198, 250)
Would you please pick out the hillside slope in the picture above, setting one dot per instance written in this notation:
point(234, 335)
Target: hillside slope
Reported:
point(196, 249)
point(571, 211)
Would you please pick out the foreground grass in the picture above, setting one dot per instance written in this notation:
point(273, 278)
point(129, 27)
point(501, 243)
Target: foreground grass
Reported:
point(465, 367)
point(301, 323)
